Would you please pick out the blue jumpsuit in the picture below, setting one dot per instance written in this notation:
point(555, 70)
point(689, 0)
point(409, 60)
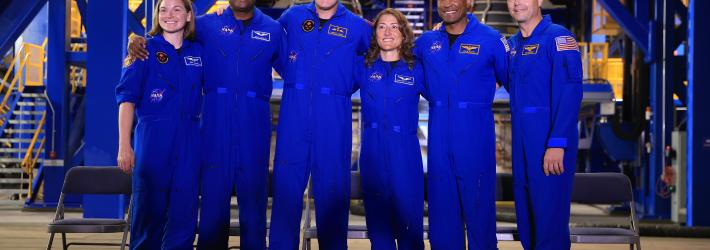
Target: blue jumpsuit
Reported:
point(391, 162)
point(314, 134)
point(545, 95)
point(237, 124)
point(166, 89)
point(461, 154)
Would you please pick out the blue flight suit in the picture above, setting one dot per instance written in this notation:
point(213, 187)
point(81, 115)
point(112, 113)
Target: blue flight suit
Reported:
point(391, 161)
point(314, 134)
point(237, 124)
point(166, 89)
point(461, 161)
point(545, 95)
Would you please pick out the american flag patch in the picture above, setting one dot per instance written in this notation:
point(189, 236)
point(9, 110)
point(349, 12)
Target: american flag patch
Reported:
point(566, 43)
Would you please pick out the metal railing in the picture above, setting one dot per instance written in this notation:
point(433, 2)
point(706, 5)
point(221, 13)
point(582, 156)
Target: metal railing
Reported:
point(30, 159)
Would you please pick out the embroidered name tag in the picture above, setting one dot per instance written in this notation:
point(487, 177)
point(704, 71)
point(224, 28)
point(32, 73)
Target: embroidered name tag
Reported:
point(401, 79)
point(530, 49)
point(261, 35)
point(337, 31)
point(471, 49)
point(193, 61)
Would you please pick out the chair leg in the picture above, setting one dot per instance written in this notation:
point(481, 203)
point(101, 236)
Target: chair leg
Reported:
point(123, 241)
point(49, 244)
point(64, 241)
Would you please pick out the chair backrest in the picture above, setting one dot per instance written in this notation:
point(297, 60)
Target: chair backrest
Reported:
point(96, 180)
point(601, 188)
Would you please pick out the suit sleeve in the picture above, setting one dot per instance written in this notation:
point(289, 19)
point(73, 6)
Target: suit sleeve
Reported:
point(364, 43)
point(502, 59)
point(130, 86)
point(281, 56)
point(422, 86)
point(283, 19)
point(566, 92)
point(358, 73)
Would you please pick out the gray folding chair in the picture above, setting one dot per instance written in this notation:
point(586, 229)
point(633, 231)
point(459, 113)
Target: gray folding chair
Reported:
point(608, 189)
point(91, 180)
point(354, 231)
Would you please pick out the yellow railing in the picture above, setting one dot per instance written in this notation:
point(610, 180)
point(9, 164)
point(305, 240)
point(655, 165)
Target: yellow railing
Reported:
point(28, 162)
point(3, 106)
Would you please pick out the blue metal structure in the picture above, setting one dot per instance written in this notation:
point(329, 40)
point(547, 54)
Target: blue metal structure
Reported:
point(15, 18)
point(698, 121)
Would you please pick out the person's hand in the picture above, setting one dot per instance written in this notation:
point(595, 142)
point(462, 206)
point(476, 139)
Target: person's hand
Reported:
point(126, 158)
point(553, 161)
point(220, 10)
point(136, 47)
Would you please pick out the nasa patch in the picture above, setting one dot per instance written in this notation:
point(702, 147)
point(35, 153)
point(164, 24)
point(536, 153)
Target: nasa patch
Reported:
point(157, 95)
point(375, 76)
point(226, 30)
point(435, 47)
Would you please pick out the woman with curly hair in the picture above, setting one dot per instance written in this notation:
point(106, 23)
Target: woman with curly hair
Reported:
point(390, 82)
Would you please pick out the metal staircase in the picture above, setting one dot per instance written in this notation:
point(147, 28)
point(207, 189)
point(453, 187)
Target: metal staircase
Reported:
point(22, 117)
point(415, 11)
point(494, 13)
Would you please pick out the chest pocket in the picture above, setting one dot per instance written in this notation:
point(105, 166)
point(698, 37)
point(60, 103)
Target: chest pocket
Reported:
point(258, 45)
point(404, 87)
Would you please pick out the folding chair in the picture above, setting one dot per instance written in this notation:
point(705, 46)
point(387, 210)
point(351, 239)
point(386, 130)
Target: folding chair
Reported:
point(608, 189)
point(91, 180)
point(354, 231)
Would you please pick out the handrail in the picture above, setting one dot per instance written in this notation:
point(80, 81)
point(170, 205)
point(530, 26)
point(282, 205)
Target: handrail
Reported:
point(26, 160)
point(7, 73)
point(30, 167)
point(12, 84)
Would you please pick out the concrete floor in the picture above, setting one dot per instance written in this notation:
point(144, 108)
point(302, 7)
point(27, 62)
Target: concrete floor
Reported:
point(26, 230)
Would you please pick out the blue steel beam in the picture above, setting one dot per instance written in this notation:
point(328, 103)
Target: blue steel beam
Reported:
point(58, 94)
point(698, 146)
point(104, 61)
point(631, 26)
point(14, 19)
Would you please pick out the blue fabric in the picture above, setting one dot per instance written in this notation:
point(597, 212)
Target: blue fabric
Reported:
point(546, 92)
point(462, 80)
point(167, 96)
point(237, 124)
point(390, 161)
point(315, 124)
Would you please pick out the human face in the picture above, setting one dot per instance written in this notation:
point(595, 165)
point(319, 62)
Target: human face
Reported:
point(242, 5)
point(388, 34)
point(173, 16)
point(453, 11)
point(326, 4)
point(524, 10)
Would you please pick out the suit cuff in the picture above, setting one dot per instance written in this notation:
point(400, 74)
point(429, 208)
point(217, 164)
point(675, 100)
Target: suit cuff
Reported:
point(557, 143)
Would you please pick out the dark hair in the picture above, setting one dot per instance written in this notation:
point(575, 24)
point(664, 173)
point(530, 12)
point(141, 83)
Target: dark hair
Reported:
point(405, 50)
point(189, 33)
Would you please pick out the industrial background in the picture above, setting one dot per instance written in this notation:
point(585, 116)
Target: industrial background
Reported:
point(643, 112)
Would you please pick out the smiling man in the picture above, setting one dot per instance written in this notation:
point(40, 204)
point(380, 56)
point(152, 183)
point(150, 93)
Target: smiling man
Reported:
point(314, 135)
point(462, 63)
point(545, 95)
